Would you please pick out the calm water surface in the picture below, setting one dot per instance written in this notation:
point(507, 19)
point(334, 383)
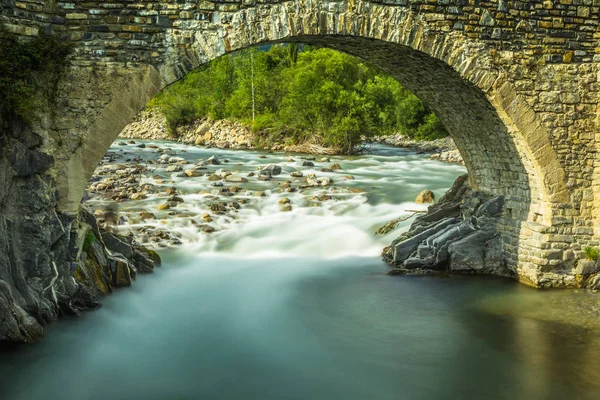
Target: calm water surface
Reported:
point(297, 306)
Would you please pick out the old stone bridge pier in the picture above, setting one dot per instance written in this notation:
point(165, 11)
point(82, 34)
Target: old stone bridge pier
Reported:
point(515, 82)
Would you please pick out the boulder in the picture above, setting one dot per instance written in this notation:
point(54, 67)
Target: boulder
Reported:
point(235, 179)
point(164, 206)
point(272, 169)
point(192, 173)
point(147, 215)
point(425, 197)
point(213, 160)
point(173, 168)
point(324, 181)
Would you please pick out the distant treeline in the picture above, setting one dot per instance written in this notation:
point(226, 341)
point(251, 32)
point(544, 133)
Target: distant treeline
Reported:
point(300, 93)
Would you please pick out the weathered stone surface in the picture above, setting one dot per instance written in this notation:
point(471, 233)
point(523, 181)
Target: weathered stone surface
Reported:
point(457, 235)
point(51, 263)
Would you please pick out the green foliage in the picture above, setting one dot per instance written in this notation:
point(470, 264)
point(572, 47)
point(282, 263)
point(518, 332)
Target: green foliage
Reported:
point(89, 239)
point(29, 72)
point(300, 95)
point(591, 253)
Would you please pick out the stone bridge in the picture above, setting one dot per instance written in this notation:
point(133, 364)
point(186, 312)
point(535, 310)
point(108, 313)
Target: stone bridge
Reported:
point(515, 83)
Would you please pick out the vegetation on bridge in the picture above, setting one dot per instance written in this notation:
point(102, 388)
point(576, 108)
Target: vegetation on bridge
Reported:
point(293, 95)
point(29, 73)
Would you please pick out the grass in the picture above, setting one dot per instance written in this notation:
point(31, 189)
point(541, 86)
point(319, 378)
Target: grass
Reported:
point(591, 253)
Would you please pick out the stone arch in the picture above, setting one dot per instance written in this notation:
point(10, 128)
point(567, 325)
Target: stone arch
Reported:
point(505, 146)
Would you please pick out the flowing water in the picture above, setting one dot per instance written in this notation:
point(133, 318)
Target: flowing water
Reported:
point(296, 305)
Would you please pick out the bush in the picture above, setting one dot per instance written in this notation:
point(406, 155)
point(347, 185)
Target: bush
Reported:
point(591, 253)
point(320, 95)
point(29, 72)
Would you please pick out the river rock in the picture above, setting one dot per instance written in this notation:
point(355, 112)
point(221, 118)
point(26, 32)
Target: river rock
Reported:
point(335, 167)
point(308, 164)
point(164, 206)
point(286, 208)
point(235, 179)
point(424, 197)
point(147, 215)
point(324, 181)
point(207, 228)
point(214, 177)
point(173, 168)
point(218, 207)
point(175, 160)
point(192, 173)
point(272, 169)
point(297, 174)
point(284, 200)
point(213, 160)
point(171, 191)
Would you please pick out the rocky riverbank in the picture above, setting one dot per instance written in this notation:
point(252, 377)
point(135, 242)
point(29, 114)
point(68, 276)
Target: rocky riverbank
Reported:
point(222, 134)
point(440, 149)
point(51, 263)
point(458, 235)
point(101, 261)
point(225, 134)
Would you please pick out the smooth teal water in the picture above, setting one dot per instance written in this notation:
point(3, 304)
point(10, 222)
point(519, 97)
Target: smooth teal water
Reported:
point(304, 323)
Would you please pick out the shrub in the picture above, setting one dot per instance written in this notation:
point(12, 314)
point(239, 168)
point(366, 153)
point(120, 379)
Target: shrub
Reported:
point(317, 95)
point(29, 72)
point(591, 253)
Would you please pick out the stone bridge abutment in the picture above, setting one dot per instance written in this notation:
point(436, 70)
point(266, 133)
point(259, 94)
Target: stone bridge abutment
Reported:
point(515, 83)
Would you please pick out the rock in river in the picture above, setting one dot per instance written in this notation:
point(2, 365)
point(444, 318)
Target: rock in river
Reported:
point(425, 197)
point(272, 169)
point(213, 160)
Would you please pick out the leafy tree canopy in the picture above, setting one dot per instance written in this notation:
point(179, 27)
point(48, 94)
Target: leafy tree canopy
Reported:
point(300, 94)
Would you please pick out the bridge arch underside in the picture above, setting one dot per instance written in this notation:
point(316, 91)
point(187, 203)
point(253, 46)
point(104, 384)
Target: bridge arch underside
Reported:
point(478, 107)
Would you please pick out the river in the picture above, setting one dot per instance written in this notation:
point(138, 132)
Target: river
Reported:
point(296, 305)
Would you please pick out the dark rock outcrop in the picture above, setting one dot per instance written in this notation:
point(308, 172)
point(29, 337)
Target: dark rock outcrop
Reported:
point(456, 235)
point(51, 264)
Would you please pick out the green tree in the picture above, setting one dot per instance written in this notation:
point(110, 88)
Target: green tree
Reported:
point(300, 94)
